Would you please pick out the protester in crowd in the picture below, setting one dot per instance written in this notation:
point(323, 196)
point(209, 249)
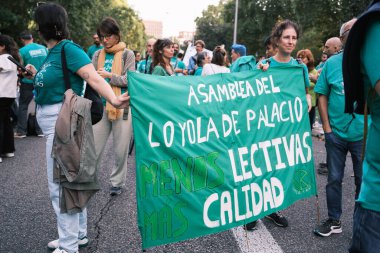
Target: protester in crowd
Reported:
point(178, 66)
point(240, 60)
point(324, 58)
point(270, 49)
point(34, 54)
point(137, 58)
point(284, 37)
point(95, 47)
point(8, 93)
point(361, 72)
point(218, 62)
point(343, 134)
point(162, 53)
point(308, 59)
point(332, 46)
point(199, 47)
point(144, 65)
point(52, 23)
point(202, 59)
point(112, 63)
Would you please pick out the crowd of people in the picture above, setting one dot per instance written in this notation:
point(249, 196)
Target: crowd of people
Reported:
point(104, 67)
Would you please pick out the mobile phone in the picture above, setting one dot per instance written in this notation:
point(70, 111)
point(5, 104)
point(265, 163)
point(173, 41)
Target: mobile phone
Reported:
point(20, 66)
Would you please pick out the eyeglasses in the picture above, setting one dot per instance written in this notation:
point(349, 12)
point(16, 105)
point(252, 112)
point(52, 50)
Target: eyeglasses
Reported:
point(105, 36)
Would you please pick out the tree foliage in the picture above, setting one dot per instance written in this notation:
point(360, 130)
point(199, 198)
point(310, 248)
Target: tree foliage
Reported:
point(84, 16)
point(318, 20)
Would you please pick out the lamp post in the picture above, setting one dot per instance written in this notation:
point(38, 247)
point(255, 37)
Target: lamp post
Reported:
point(236, 19)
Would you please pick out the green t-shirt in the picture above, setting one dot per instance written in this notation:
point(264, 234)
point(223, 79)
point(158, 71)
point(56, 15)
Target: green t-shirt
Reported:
point(198, 72)
point(177, 64)
point(92, 49)
point(292, 62)
point(144, 65)
point(160, 71)
point(108, 67)
point(33, 54)
point(243, 63)
point(48, 82)
point(370, 53)
point(330, 83)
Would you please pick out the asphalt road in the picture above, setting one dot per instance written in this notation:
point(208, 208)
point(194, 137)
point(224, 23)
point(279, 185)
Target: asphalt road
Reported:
point(27, 221)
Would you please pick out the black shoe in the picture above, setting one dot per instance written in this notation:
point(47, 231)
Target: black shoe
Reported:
point(278, 219)
point(323, 171)
point(328, 227)
point(250, 226)
point(115, 191)
point(322, 165)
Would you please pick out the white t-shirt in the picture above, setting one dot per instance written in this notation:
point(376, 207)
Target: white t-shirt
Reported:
point(8, 77)
point(210, 69)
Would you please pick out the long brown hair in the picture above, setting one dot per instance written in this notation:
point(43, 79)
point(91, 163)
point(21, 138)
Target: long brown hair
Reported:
point(10, 46)
point(158, 59)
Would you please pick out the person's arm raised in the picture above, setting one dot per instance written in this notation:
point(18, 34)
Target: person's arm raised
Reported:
point(89, 74)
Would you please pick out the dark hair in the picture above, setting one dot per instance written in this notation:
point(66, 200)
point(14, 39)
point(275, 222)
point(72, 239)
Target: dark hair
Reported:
point(179, 55)
point(108, 26)
point(281, 27)
point(157, 55)
point(52, 21)
point(10, 46)
point(218, 56)
point(26, 35)
point(309, 55)
point(200, 58)
point(267, 41)
point(136, 52)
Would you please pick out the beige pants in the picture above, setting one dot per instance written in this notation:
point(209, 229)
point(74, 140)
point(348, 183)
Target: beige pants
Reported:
point(121, 133)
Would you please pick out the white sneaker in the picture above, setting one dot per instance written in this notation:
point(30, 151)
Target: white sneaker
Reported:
point(55, 244)
point(8, 155)
point(1, 160)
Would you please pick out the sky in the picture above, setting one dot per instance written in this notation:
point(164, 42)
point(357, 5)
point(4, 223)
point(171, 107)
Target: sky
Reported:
point(176, 15)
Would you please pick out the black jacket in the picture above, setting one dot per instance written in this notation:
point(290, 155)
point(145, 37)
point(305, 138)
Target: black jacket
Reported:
point(353, 78)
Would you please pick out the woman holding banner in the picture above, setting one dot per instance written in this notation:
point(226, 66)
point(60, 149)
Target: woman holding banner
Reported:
point(284, 37)
point(163, 51)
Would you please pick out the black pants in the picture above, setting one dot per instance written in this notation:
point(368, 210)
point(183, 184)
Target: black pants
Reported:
point(312, 116)
point(7, 143)
point(26, 95)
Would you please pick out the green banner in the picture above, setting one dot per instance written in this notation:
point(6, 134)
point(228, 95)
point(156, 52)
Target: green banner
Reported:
point(216, 152)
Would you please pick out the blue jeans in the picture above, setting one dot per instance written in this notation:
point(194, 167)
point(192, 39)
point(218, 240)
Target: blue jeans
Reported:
point(337, 150)
point(70, 226)
point(366, 233)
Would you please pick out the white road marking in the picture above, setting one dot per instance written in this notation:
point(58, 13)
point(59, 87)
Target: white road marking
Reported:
point(256, 241)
